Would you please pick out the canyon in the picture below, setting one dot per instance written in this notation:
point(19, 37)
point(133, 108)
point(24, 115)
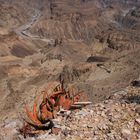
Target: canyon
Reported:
point(93, 44)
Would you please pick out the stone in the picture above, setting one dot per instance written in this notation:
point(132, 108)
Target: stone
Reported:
point(103, 114)
point(137, 109)
point(90, 125)
point(49, 137)
point(82, 112)
point(96, 132)
point(126, 133)
point(43, 136)
point(29, 138)
point(56, 130)
point(138, 121)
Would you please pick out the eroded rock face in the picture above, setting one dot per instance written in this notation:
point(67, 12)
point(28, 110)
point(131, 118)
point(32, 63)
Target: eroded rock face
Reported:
point(71, 74)
point(67, 20)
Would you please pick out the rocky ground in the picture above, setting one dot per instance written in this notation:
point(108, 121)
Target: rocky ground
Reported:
point(117, 118)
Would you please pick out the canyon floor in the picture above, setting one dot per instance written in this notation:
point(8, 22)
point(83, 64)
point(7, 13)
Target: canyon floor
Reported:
point(93, 44)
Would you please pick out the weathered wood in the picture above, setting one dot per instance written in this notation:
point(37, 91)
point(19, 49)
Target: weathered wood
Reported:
point(82, 103)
